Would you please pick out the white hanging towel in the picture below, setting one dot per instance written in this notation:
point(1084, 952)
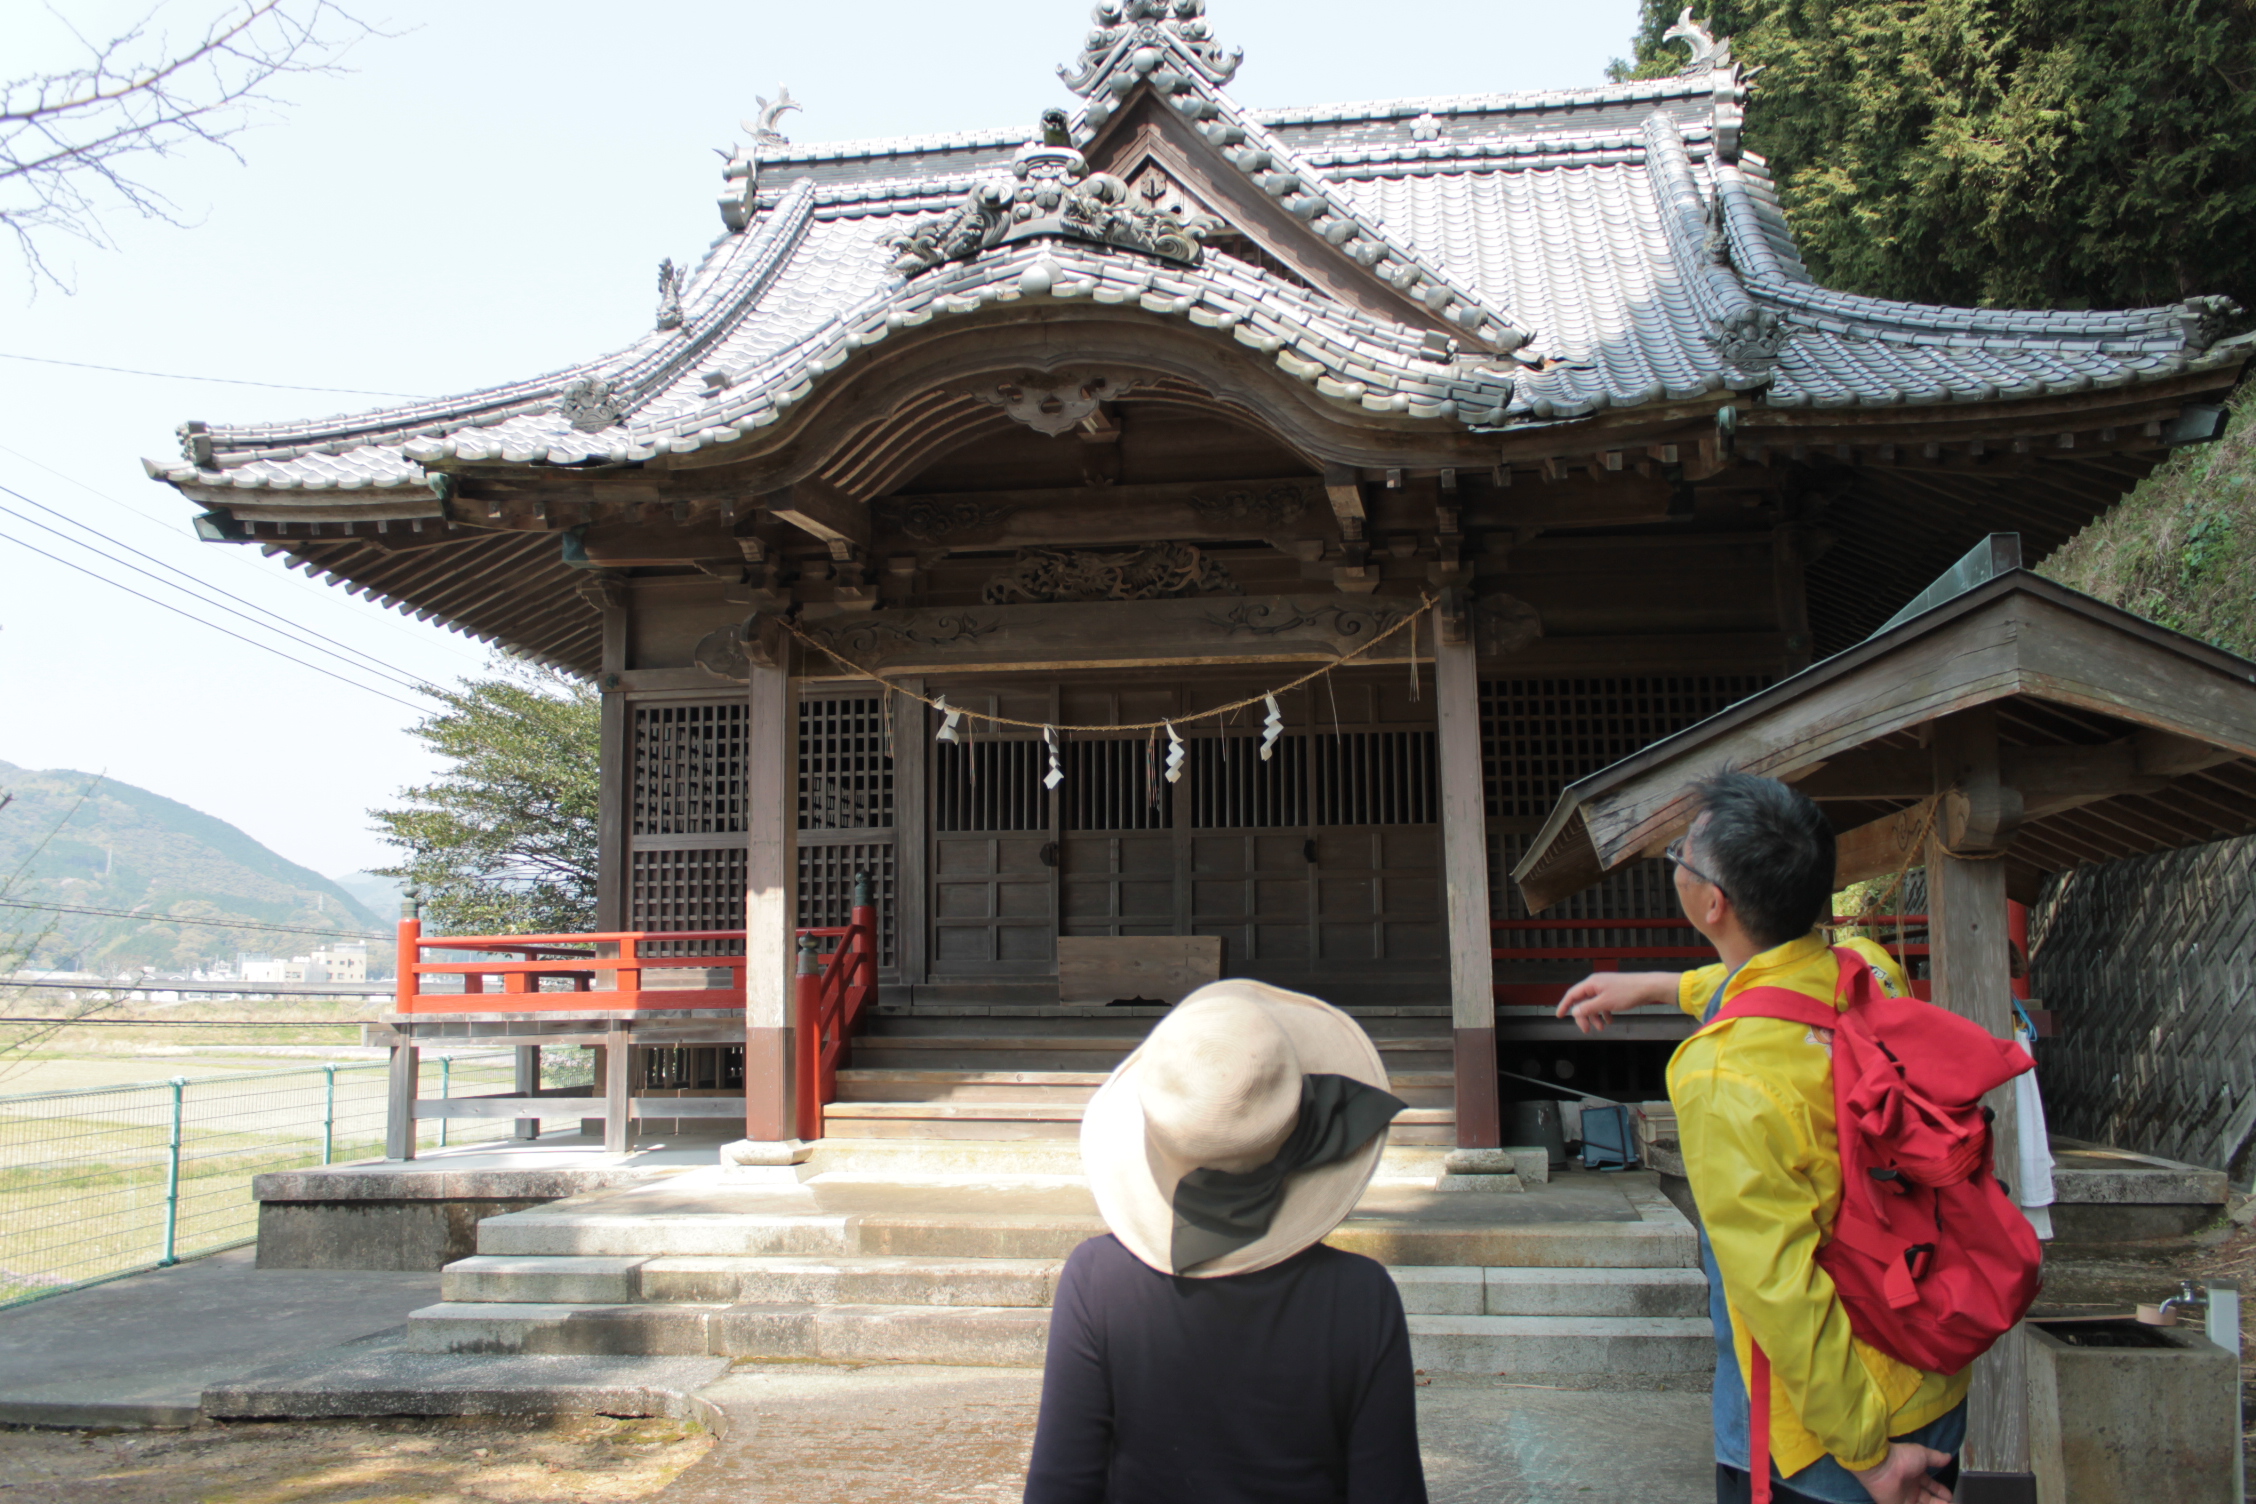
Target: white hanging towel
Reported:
point(2032, 1187)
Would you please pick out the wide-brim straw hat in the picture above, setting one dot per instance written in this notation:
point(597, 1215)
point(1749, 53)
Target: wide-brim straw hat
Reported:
point(1219, 1078)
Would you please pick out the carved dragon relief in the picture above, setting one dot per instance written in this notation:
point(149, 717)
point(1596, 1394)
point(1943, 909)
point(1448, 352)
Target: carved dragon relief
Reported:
point(1162, 572)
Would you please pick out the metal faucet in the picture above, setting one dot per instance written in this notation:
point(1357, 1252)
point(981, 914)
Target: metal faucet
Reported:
point(2191, 1297)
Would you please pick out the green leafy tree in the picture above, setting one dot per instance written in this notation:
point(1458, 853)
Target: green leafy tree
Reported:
point(2039, 153)
point(504, 841)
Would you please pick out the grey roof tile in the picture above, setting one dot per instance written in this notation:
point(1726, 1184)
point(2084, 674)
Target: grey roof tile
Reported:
point(1581, 216)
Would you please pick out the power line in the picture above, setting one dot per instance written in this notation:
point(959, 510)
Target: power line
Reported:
point(378, 615)
point(215, 626)
point(231, 924)
point(403, 677)
point(274, 386)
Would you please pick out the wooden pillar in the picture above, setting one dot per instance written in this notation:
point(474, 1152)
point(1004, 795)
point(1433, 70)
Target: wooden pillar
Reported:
point(1464, 866)
point(526, 1083)
point(399, 1101)
point(770, 904)
point(618, 1057)
point(615, 774)
point(912, 836)
point(1789, 543)
point(1973, 977)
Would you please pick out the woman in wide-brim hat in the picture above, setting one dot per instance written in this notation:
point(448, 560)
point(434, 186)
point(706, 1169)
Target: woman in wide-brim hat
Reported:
point(1210, 1348)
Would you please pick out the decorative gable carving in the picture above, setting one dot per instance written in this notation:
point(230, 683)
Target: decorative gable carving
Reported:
point(1155, 39)
point(1056, 403)
point(1049, 191)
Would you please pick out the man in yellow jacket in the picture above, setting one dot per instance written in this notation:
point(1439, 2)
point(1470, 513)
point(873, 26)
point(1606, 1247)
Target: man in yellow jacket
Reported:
point(1754, 1108)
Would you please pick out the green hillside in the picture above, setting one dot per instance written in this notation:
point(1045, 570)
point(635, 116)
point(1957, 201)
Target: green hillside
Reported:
point(121, 847)
point(2181, 548)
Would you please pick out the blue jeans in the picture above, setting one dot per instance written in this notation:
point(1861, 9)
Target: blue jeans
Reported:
point(1824, 1481)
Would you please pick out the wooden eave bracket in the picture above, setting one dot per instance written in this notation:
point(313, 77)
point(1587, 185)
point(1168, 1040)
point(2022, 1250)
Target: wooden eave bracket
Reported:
point(823, 512)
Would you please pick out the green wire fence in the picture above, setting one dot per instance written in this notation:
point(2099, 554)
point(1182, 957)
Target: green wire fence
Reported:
point(95, 1184)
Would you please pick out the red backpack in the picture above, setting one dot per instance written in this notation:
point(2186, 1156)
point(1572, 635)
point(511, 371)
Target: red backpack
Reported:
point(1932, 1260)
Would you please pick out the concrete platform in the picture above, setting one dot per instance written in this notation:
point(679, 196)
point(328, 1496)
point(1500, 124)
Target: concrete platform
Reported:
point(141, 1350)
point(423, 1214)
point(379, 1377)
point(1586, 1274)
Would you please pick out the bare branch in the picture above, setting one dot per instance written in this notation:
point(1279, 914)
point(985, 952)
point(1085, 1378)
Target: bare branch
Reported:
point(76, 142)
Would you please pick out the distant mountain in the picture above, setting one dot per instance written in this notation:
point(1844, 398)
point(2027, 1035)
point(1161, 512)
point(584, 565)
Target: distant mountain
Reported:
point(78, 840)
point(378, 895)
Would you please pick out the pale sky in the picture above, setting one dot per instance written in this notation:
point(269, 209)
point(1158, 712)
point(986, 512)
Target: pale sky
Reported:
point(483, 198)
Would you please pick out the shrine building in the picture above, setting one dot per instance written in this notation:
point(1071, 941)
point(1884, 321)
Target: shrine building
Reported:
point(1452, 448)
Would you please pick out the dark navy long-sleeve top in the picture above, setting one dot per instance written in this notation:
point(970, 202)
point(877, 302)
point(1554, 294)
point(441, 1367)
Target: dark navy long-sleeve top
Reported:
point(1289, 1385)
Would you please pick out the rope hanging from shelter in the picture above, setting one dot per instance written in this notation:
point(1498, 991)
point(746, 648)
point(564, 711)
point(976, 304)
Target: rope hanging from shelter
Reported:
point(953, 713)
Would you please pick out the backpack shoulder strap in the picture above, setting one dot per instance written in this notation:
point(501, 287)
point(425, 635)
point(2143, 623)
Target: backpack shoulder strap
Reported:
point(1780, 1002)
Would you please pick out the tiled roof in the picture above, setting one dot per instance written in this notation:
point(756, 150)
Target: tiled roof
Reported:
point(1615, 234)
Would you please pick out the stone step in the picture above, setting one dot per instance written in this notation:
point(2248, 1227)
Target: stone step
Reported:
point(898, 1084)
point(1013, 1336)
point(851, 1280)
point(1393, 1240)
point(909, 1159)
point(1445, 1291)
point(845, 1280)
point(1044, 1119)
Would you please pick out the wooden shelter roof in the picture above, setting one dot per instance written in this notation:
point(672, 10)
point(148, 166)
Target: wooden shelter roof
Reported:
point(2118, 737)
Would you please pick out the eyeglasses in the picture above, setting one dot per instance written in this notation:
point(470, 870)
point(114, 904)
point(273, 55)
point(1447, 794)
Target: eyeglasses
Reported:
point(1674, 855)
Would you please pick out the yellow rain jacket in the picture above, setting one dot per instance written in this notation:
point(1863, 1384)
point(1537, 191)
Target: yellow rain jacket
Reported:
point(1754, 1109)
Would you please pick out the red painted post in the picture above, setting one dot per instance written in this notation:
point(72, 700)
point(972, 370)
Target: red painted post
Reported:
point(2017, 936)
point(864, 940)
point(807, 1043)
point(408, 984)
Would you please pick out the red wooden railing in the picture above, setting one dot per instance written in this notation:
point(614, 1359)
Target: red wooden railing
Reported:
point(519, 962)
point(832, 991)
point(1609, 957)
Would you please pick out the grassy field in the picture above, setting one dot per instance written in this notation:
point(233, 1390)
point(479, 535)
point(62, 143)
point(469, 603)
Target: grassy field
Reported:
point(85, 1158)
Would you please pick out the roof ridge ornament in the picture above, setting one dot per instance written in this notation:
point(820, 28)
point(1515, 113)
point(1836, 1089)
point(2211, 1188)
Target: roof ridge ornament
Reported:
point(1048, 192)
point(1135, 39)
point(1707, 54)
point(740, 180)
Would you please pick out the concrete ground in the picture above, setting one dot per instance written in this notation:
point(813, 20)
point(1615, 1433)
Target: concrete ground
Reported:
point(139, 1351)
point(875, 1435)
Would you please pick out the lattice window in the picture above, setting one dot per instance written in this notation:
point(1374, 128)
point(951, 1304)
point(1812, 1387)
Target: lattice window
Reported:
point(689, 769)
point(989, 786)
point(845, 765)
point(1115, 784)
point(1538, 736)
point(1374, 778)
point(1233, 789)
point(687, 888)
point(826, 888)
